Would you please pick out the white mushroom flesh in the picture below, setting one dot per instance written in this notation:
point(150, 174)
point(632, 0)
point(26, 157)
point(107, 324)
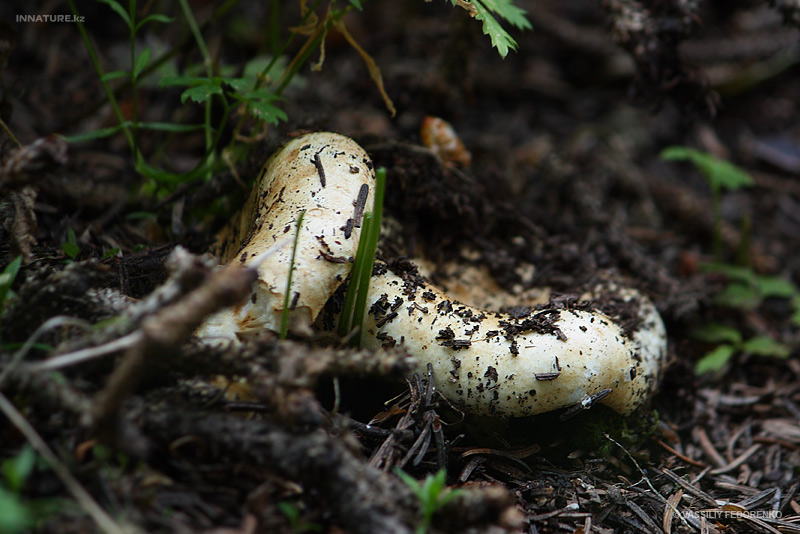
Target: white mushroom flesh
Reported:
point(484, 362)
point(492, 363)
point(330, 177)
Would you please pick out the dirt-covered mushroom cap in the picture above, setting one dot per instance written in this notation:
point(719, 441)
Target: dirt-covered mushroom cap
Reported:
point(331, 178)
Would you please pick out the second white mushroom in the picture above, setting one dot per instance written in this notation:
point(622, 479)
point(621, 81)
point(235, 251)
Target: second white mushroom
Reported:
point(492, 363)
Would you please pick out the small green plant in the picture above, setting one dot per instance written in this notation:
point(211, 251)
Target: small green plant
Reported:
point(138, 65)
point(7, 278)
point(728, 342)
point(253, 95)
point(721, 176)
point(210, 90)
point(484, 11)
point(70, 247)
point(292, 513)
point(17, 470)
point(432, 493)
point(110, 253)
point(354, 310)
point(18, 514)
point(745, 289)
point(159, 178)
point(15, 514)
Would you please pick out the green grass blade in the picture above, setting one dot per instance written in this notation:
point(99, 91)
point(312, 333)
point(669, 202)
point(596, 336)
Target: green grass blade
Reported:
point(371, 230)
point(346, 318)
point(374, 229)
point(286, 296)
point(7, 278)
point(354, 310)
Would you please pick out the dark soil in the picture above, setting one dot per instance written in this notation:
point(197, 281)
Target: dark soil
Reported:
point(304, 435)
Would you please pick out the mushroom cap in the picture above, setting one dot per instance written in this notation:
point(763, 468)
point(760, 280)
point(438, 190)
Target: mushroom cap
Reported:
point(330, 177)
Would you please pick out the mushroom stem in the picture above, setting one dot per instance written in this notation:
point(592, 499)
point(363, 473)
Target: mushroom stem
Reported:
point(492, 363)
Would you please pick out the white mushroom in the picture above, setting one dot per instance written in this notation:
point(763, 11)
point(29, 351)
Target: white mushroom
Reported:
point(485, 362)
point(492, 363)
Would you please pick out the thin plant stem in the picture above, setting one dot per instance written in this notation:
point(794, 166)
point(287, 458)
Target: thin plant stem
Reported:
point(310, 45)
point(134, 92)
point(222, 10)
point(744, 256)
point(337, 395)
point(201, 44)
point(274, 25)
point(226, 109)
point(286, 296)
point(163, 58)
point(9, 133)
point(100, 74)
point(717, 200)
point(90, 353)
point(259, 80)
point(52, 323)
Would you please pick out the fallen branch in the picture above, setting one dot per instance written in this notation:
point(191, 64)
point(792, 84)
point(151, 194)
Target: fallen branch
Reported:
point(162, 335)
